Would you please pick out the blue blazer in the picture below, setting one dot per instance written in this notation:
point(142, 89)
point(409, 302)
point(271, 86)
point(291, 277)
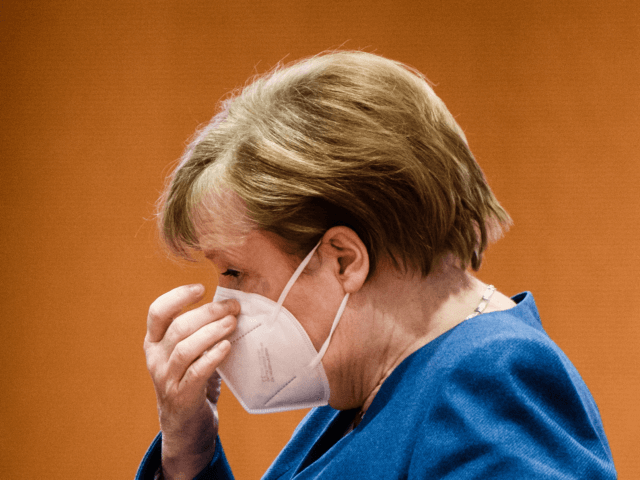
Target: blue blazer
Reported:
point(492, 398)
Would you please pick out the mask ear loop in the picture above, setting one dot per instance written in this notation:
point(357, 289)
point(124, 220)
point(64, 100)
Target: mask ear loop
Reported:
point(291, 281)
point(314, 363)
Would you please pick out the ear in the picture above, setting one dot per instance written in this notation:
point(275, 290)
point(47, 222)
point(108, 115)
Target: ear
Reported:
point(347, 255)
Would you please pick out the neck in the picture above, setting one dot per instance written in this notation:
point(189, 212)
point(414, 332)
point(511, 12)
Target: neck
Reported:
point(403, 313)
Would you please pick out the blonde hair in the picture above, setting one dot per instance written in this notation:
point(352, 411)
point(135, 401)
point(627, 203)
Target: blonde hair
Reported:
point(344, 138)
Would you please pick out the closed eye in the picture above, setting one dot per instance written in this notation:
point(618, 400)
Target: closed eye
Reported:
point(231, 273)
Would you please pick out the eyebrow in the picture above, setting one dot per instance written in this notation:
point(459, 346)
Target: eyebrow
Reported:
point(212, 253)
point(218, 257)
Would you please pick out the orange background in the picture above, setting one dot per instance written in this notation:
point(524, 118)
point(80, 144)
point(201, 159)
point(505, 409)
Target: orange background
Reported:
point(98, 98)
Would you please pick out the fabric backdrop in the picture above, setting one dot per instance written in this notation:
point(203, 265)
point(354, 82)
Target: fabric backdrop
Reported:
point(98, 99)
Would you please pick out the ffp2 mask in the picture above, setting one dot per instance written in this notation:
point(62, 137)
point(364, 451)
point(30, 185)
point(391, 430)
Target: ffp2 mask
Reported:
point(272, 365)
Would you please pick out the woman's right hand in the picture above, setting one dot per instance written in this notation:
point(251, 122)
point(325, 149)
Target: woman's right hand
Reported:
point(183, 351)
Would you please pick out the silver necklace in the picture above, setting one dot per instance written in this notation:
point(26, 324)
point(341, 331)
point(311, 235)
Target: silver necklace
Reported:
point(484, 302)
point(479, 309)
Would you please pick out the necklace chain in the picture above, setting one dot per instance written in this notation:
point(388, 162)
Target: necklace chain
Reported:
point(483, 302)
point(479, 309)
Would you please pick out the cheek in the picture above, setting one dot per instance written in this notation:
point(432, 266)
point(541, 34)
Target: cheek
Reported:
point(264, 287)
point(316, 312)
point(310, 318)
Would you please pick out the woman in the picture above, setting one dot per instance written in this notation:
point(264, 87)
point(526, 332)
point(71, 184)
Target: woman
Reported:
point(341, 204)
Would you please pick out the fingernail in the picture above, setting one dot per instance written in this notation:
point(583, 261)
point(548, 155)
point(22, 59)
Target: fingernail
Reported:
point(197, 289)
point(230, 303)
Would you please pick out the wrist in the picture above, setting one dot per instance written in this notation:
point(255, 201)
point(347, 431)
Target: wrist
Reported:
point(188, 449)
point(185, 465)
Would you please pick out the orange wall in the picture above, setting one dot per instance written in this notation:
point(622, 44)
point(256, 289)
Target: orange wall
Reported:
point(98, 98)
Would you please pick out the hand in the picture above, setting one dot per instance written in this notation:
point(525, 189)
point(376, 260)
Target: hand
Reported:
point(183, 352)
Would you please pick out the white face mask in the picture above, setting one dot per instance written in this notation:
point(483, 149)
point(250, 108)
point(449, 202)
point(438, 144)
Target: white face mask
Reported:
point(273, 365)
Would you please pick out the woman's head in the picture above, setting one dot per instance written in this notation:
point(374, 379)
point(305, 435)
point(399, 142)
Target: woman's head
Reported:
point(347, 138)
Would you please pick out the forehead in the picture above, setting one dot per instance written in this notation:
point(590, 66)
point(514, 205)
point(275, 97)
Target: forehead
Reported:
point(219, 218)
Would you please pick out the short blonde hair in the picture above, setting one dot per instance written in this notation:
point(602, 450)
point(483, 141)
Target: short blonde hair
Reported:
point(343, 138)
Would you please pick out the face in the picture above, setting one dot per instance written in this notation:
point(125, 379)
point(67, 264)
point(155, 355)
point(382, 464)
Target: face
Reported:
point(260, 266)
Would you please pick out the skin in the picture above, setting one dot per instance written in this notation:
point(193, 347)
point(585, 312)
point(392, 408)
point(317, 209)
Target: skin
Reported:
point(387, 318)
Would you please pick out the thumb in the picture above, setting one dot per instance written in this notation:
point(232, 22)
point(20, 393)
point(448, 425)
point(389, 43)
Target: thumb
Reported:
point(213, 388)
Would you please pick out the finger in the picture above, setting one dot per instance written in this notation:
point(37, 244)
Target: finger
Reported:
point(191, 348)
point(168, 306)
point(214, 383)
point(192, 321)
point(199, 372)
